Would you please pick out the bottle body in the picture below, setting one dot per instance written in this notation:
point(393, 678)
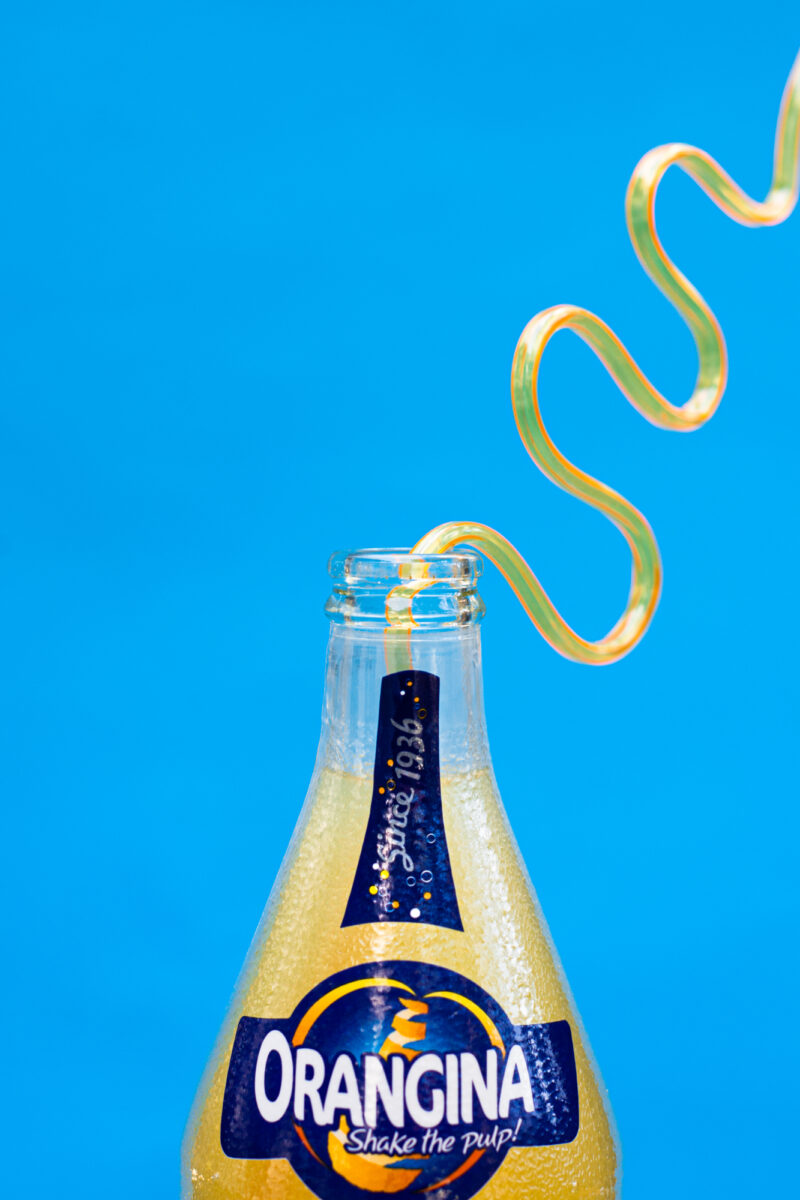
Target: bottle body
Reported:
point(435, 1049)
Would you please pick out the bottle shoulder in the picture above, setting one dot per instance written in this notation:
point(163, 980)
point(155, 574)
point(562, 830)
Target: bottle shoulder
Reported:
point(504, 945)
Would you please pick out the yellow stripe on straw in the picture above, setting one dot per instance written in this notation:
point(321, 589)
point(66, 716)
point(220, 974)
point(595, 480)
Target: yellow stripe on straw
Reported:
point(632, 382)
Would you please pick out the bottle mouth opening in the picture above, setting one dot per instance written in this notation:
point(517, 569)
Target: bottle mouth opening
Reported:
point(382, 567)
point(396, 589)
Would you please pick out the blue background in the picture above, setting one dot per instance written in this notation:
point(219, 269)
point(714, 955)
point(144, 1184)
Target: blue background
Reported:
point(253, 257)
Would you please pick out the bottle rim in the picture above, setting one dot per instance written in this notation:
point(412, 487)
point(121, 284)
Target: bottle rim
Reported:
point(391, 587)
point(384, 566)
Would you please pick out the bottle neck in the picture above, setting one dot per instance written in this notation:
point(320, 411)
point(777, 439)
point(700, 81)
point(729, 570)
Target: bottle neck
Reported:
point(356, 664)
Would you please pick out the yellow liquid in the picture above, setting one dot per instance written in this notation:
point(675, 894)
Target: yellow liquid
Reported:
point(505, 948)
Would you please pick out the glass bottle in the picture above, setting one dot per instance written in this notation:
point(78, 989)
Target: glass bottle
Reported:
point(406, 1028)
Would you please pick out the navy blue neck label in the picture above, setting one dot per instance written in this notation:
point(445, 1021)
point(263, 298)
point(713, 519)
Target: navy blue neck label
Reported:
point(399, 1077)
point(403, 872)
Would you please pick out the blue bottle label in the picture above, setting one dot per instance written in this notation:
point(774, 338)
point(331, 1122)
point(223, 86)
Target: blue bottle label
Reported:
point(403, 871)
point(397, 1077)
